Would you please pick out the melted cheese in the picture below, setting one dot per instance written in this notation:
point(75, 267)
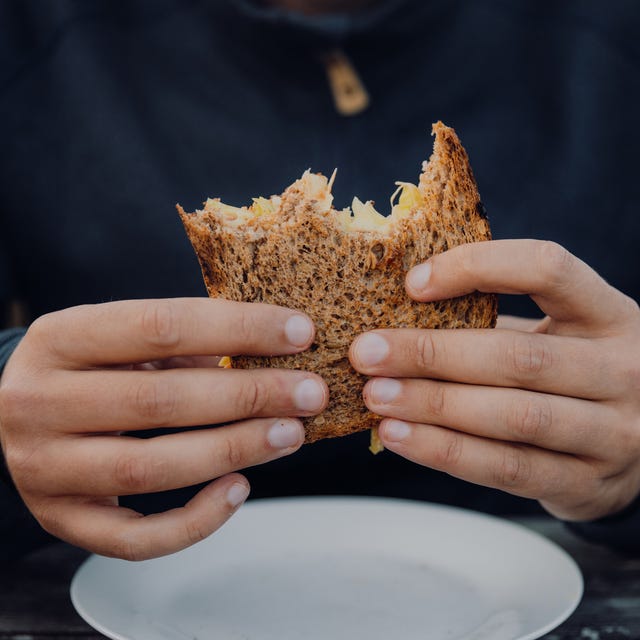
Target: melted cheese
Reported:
point(360, 217)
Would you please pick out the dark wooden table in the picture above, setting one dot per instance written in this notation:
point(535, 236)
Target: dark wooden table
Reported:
point(34, 594)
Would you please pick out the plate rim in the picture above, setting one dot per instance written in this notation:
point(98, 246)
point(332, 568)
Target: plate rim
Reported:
point(265, 503)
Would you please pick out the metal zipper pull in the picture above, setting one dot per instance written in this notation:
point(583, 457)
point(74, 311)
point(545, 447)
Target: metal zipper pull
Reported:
point(349, 93)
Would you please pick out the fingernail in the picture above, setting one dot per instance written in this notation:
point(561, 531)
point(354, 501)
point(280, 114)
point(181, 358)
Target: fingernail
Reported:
point(309, 395)
point(285, 433)
point(237, 494)
point(371, 349)
point(396, 430)
point(418, 277)
point(298, 330)
point(385, 390)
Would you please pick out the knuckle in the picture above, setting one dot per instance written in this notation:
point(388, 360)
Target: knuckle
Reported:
point(19, 401)
point(253, 398)
point(528, 356)
point(466, 261)
point(529, 420)
point(613, 496)
point(195, 530)
point(47, 518)
point(134, 474)
point(555, 262)
point(14, 459)
point(448, 455)
point(425, 350)
point(129, 547)
point(626, 308)
point(582, 502)
point(160, 324)
point(231, 454)
point(13, 400)
point(512, 469)
point(41, 334)
point(22, 465)
point(42, 327)
point(630, 307)
point(154, 402)
point(247, 327)
point(434, 399)
point(627, 441)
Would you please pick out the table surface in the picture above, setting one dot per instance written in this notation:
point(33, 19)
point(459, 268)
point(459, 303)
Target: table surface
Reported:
point(34, 593)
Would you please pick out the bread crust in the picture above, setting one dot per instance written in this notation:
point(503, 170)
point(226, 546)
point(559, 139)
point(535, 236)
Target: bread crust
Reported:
point(351, 282)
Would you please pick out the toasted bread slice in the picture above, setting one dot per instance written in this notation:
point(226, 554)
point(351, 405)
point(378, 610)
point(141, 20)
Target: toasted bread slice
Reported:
point(346, 269)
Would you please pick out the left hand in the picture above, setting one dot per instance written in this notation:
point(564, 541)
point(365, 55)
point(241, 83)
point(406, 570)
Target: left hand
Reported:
point(545, 409)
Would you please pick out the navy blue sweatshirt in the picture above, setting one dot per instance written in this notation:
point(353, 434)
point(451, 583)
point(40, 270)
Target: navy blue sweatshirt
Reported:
point(110, 113)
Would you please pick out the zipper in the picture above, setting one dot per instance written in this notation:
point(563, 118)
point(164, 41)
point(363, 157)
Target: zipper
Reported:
point(350, 96)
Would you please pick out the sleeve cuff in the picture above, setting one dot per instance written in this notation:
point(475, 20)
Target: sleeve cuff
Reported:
point(9, 340)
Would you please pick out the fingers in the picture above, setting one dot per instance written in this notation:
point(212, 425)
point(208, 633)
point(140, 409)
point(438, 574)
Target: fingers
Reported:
point(551, 422)
point(548, 363)
point(563, 286)
point(130, 466)
point(144, 330)
point(122, 533)
point(119, 400)
point(518, 469)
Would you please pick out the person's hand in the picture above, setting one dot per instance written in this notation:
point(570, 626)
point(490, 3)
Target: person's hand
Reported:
point(82, 376)
point(548, 410)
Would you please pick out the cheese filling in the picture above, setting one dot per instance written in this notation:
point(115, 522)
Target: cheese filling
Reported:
point(361, 216)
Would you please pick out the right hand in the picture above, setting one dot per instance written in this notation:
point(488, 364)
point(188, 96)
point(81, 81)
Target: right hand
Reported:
point(82, 376)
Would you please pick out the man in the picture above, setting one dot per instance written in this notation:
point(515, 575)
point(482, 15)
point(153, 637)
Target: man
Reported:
point(110, 114)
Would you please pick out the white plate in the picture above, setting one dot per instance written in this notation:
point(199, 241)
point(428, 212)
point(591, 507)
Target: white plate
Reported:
point(334, 568)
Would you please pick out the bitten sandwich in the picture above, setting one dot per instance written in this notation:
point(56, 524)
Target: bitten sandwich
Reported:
point(345, 268)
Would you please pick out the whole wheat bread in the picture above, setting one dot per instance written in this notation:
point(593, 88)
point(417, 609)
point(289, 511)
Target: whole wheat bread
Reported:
point(300, 255)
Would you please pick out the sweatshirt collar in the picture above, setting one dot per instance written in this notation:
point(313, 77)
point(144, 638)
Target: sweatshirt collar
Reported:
point(335, 27)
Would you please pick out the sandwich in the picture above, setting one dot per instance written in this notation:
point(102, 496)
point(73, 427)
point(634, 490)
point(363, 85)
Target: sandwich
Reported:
point(345, 268)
